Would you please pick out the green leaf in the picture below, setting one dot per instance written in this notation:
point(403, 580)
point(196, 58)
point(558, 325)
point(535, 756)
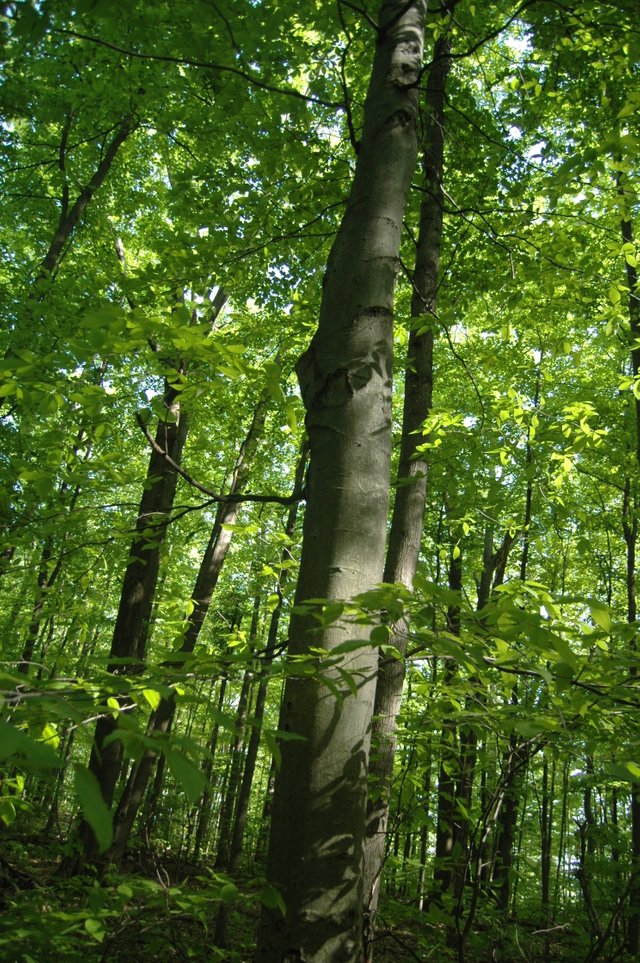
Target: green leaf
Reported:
point(526, 728)
point(7, 810)
point(26, 751)
point(379, 635)
point(187, 775)
point(95, 928)
point(12, 740)
point(332, 612)
point(272, 372)
point(271, 898)
point(228, 892)
point(290, 411)
point(94, 808)
point(601, 615)
point(152, 697)
point(351, 645)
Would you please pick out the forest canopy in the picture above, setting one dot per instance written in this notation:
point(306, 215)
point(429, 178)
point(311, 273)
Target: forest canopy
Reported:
point(319, 480)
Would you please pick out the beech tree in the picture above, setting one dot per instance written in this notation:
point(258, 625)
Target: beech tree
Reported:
point(317, 831)
point(385, 704)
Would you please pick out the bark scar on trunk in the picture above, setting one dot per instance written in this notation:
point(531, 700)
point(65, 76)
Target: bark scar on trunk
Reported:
point(342, 380)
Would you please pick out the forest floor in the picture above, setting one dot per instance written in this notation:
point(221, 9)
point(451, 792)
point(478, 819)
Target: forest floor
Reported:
point(157, 907)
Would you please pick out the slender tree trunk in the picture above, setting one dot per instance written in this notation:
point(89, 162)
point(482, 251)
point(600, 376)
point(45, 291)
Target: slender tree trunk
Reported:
point(152, 797)
point(70, 216)
point(52, 817)
point(630, 528)
point(48, 574)
point(131, 630)
point(204, 806)
point(449, 760)
point(546, 824)
point(505, 834)
point(232, 785)
point(492, 575)
point(408, 510)
point(424, 832)
point(562, 837)
point(206, 581)
point(230, 795)
point(318, 824)
point(242, 807)
point(46, 578)
point(267, 809)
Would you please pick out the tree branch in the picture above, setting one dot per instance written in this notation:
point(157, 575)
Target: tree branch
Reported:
point(189, 62)
point(295, 496)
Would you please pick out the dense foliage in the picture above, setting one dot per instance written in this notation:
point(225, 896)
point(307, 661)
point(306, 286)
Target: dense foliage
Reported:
point(173, 174)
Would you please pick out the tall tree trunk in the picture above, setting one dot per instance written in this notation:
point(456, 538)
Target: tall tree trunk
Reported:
point(630, 523)
point(232, 784)
point(49, 571)
point(449, 759)
point(512, 758)
point(424, 832)
point(206, 581)
point(546, 826)
point(242, 807)
point(505, 834)
point(204, 805)
point(562, 838)
point(317, 831)
point(492, 575)
point(47, 575)
point(408, 510)
point(131, 630)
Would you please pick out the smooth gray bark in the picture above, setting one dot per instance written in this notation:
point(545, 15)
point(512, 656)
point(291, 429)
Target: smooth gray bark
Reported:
point(317, 833)
point(408, 510)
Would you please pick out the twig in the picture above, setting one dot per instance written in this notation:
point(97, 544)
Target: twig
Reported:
point(206, 65)
point(550, 929)
point(295, 496)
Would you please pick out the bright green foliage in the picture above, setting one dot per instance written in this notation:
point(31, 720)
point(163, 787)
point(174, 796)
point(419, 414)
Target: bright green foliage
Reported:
point(235, 160)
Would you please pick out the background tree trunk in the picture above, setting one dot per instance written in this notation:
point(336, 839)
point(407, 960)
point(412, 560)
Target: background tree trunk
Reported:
point(206, 581)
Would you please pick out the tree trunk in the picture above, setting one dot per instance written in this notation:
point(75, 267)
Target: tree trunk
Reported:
point(630, 523)
point(408, 510)
point(69, 216)
point(206, 581)
point(232, 785)
point(514, 763)
point(131, 630)
point(505, 833)
point(204, 805)
point(546, 826)
point(317, 832)
point(449, 759)
point(242, 807)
